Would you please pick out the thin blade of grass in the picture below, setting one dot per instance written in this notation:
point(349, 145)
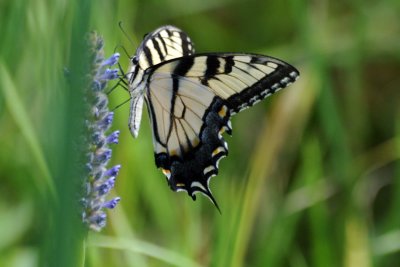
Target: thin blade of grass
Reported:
point(44, 182)
point(142, 247)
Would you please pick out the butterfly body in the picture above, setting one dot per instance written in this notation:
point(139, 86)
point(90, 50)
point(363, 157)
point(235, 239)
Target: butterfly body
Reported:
point(191, 97)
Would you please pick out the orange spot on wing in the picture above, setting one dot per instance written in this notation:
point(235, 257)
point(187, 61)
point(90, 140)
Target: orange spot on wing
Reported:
point(222, 112)
point(166, 172)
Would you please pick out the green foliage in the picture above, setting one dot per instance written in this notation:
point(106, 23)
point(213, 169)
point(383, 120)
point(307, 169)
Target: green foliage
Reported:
point(313, 175)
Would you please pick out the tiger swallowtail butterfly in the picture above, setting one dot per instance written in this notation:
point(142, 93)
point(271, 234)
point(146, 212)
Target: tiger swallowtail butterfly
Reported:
point(190, 99)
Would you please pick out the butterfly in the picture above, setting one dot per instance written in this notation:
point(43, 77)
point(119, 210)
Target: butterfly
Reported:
point(190, 99)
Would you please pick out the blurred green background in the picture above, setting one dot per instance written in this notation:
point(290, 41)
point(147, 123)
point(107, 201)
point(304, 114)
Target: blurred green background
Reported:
point(312, 178)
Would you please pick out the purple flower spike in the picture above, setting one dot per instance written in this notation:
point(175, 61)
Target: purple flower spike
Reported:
point(111, 60)
point(99, 179)
point(113, 171)
point(112, 203)
point(113, 138)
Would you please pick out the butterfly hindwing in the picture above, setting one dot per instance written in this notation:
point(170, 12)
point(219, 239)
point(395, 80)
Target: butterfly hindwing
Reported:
point(190, 101)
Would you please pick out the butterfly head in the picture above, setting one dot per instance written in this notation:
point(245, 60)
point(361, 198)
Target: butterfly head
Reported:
point(134, 60)
point(135, 74)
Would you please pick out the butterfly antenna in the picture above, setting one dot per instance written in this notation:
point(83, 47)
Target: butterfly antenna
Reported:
point(123, 103)
point(123, 48)
point(126, 35)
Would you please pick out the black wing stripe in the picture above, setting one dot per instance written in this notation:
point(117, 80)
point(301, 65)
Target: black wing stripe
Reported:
point(183, 66)
point(158, 49)
point(186, 46)
point(212, 65)
point(175, 87)
point(164, 45)
point(229, 63)
point(148, 55)
point(152, 113)
point(169, 32)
